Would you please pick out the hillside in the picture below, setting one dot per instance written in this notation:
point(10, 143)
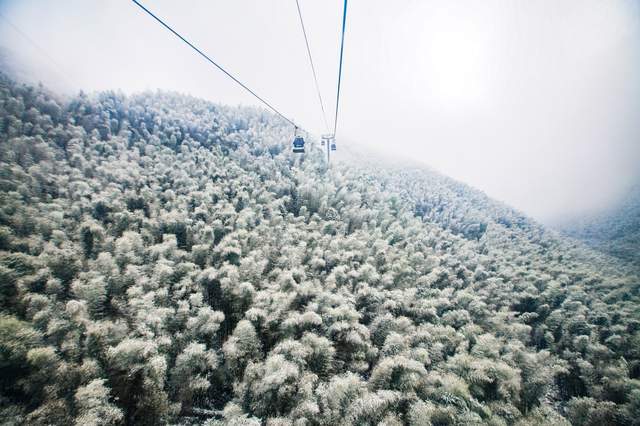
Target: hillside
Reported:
point(166, 260)
point(615, 231)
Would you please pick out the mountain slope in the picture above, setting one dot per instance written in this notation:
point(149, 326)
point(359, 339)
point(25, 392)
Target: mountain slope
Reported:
point(168, 260)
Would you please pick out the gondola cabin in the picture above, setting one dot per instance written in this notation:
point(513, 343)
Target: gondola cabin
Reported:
point(334, 147)
point(326, 138)
point(298, 145)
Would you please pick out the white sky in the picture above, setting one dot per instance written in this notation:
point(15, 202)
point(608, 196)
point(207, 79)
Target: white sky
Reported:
point(535, 102)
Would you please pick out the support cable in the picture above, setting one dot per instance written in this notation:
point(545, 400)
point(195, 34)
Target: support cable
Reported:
point(344, 23)
point(215, 64)
point(313, 68)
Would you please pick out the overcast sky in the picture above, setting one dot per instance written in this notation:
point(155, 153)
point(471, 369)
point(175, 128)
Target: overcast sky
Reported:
point(535, 102)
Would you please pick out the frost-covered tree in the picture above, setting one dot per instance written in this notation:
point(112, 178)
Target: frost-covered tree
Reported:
point(94, 407)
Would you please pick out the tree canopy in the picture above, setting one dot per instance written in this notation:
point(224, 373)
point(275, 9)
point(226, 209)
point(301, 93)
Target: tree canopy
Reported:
point(167, 260)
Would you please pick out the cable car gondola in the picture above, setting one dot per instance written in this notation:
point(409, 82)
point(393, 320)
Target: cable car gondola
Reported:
point(298, 142)
point(333, 146)
point(298, 145)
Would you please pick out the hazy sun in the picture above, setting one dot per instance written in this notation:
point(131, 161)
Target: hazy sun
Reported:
point(453, 58)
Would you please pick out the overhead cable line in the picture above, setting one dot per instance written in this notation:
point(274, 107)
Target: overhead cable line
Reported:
point(215, 64)
point(344, 23)
point(313, 68)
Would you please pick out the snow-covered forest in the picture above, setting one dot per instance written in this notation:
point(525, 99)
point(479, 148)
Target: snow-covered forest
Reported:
point(166, 260)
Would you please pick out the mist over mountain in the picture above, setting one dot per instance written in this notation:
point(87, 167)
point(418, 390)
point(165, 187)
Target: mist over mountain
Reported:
point(18, 67)
point(11, 66)
point(615, 231)
point(168, 260)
